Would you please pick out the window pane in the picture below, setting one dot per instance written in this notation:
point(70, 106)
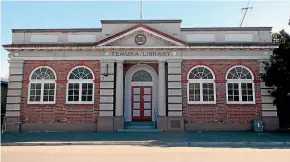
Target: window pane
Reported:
point(45, 98)
point(247, 92)
point(70, 98)
point(207, 90)
point(35, 92)
point(194, 91)
point(73, 92)
point(87, 89)
point(233, 91)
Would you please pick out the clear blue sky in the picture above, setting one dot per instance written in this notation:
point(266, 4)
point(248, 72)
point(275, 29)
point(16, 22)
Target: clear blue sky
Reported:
point(72, 14)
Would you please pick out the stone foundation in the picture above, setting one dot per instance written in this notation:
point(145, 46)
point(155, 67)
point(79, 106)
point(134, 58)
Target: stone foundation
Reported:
point(118, 123)
point(175, 124)
point(105, 124)
point(12, 124)
point(218, 126)
point(58, 127)
point(271, 123)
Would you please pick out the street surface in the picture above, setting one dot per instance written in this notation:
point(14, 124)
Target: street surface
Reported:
point(122, 153)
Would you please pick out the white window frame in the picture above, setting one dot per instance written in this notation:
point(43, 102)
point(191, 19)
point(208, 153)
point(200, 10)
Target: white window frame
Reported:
point(201, 81)
point(239, 82)
point(42, 82)
point(80, 81)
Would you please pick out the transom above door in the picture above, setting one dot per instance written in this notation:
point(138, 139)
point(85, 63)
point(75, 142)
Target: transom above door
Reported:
point(141, 103)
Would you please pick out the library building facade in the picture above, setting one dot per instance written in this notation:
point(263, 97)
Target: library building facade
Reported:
point(137, 75)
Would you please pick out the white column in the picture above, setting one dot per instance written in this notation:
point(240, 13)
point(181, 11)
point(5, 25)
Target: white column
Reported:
point(119, 88)
point(161, 89)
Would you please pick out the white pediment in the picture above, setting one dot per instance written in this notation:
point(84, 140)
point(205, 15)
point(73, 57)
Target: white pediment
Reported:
point(149, 41)
point(152, 38)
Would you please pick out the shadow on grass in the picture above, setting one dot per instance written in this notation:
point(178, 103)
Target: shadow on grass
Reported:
point(161, 139)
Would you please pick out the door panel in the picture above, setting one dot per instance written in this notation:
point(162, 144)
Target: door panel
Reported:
point(141, 103)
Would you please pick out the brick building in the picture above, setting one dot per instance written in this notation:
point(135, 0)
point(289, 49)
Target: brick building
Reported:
point(150, 73)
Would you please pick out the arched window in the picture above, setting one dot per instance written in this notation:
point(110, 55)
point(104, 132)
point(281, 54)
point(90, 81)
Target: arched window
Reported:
point(240, 85)
point(42, 86)
point(80, 86)
point(201, 86)
point(142, 76)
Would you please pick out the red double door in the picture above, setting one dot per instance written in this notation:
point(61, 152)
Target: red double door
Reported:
point(141, 103)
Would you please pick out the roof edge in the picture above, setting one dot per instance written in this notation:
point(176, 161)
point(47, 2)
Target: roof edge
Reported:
point(226, 29)
point(140, 21)
point(58, 30)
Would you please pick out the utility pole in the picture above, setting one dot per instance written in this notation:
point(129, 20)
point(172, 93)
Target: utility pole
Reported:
point(245, 11)
point(141, 10)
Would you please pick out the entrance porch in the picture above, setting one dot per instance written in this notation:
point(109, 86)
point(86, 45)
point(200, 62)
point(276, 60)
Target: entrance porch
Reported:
point(140, 94)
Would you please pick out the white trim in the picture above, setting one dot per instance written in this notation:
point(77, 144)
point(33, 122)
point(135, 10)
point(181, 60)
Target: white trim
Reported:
point(240, 93)
point(129, 83)
point(242, 66)
point(203, 67)
point(239, 82)
point(200, 82)
point(55, 76)
point(136, 47)
point(80, 81)
point(67, 77)
point(42, 82)
point(140, 29)
point(257, 57)
point(41, 94)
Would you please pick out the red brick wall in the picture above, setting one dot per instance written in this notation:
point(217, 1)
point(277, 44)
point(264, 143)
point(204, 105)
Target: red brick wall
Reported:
point(221, 111)
point(60, 112)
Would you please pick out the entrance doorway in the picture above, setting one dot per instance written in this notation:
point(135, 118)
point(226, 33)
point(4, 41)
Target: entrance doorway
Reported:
point(141, 103)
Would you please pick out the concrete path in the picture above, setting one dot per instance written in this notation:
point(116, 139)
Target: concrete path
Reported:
point(140, 154)
point(206, 139)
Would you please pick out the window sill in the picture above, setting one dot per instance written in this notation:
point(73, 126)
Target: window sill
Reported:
point(201, 103)
point(40, 103)
point(241, 103)
point(79, 103)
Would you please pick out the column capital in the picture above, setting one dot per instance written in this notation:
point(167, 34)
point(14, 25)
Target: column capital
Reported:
point(120, 61)
point(161, 61)
point(107, 61)
point(174, 60)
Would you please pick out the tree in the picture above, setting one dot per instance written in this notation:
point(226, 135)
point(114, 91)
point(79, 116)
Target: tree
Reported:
point(278, 75)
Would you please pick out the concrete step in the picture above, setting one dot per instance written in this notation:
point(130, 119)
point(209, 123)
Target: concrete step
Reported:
point(139, 127)
point(140, 130)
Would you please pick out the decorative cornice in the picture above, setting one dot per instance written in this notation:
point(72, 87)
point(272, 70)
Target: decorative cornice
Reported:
point(78, 47)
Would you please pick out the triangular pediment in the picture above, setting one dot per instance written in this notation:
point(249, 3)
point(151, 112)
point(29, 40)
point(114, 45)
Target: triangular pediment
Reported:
point(141, 35)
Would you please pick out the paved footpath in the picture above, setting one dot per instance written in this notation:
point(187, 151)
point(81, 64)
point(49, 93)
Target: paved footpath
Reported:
point(237, 139)
point(129, 153)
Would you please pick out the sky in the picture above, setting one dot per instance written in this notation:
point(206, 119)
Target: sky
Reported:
point(79, 14)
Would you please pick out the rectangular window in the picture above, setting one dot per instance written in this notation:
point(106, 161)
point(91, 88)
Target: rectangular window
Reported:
point(233, 92)
point(247, 91)
point(87, 91)
point(208, 91)
point(35, 92)
point(73, 92)
point(48, 92)
point(194, 91)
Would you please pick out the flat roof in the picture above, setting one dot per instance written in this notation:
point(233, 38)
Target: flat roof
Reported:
point(59, 30)
point(140, 21)
point(225, 28)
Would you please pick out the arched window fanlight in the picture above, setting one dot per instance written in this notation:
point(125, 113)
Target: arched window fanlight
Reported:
point(142, 76)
